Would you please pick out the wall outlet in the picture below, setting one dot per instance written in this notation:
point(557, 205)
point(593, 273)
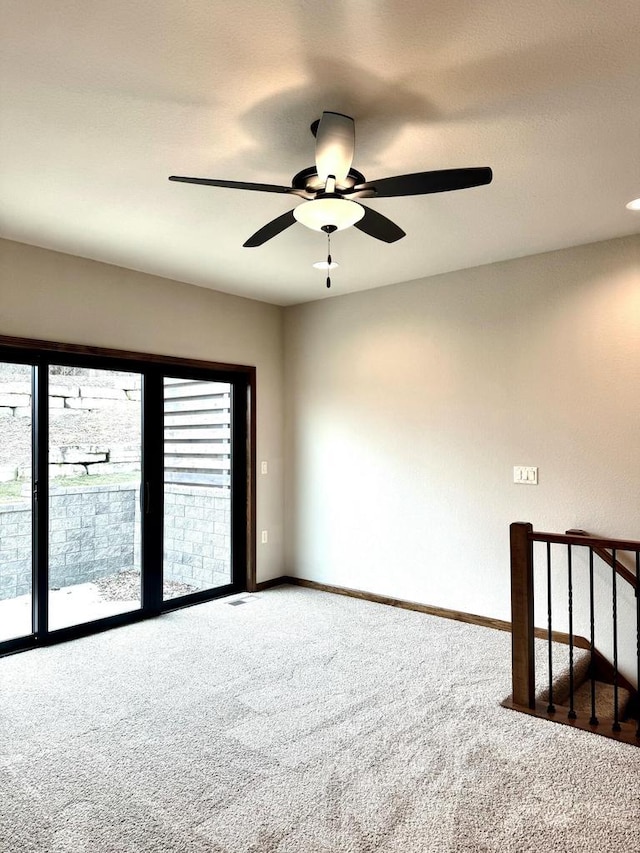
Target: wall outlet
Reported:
point(264, 537)
point(525, 475)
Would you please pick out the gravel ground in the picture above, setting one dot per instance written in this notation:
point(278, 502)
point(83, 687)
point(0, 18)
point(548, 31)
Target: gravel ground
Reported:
point(125, 586)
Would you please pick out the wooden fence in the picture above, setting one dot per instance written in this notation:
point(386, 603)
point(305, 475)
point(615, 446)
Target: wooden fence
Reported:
point(197, 433)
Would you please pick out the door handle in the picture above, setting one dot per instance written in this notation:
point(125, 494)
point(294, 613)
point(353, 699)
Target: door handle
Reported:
point(145, 498)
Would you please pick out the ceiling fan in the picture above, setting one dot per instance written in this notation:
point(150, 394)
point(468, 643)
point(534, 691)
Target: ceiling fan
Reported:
point(332, 188)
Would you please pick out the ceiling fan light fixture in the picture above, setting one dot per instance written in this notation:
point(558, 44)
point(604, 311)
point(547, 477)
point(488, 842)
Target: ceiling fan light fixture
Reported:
point(337, 211)
point(633, 205)
point(325, 265)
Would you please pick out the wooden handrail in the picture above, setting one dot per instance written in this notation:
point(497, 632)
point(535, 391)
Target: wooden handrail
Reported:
point(592, 541)
point(621, 569)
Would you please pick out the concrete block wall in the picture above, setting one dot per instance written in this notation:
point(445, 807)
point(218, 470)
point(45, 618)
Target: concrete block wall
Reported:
point(15, 549)
point(90, 536)
point(197, 535)
point(91, 533)
point(94, 533)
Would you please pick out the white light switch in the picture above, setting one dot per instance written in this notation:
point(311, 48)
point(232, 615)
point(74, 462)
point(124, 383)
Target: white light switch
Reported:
point(264, 537)
point(525, 475)
point(264, 467)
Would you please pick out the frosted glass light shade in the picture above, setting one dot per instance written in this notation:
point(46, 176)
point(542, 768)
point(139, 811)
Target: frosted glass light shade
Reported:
point(632, 205)
point(340, 212)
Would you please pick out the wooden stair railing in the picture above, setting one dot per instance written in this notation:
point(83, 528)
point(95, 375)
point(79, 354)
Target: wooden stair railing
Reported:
point(603, 676)
point(605, 555)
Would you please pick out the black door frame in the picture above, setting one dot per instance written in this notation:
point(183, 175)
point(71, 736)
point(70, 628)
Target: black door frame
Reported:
point(153, 368)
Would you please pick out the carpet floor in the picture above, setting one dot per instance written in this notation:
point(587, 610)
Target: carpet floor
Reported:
point(296, 722)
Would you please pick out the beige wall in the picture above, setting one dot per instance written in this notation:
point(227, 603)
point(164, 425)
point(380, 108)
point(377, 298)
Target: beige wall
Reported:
point(64, 298)
point(408, 406)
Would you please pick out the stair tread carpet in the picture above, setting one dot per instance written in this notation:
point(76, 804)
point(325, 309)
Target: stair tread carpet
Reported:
point(604, 700)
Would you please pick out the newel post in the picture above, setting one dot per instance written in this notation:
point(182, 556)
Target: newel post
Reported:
point(522, 651)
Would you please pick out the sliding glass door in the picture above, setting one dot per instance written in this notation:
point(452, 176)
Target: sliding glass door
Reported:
point(94, 493)
point(197, 486)
point(125, 490)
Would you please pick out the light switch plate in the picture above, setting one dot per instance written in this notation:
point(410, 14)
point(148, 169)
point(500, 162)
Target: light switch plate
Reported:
point(525, 475)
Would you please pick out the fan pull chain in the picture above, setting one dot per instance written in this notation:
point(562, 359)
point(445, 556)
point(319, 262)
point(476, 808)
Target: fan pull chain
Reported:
point(329, 259)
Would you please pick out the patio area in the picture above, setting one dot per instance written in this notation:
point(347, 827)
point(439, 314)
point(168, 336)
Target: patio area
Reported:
point(84, 602)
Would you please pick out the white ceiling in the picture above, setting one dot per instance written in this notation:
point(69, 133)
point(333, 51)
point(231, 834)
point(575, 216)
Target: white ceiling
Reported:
point(102, 101)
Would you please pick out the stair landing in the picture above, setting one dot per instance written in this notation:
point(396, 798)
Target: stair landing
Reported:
point(581, 697)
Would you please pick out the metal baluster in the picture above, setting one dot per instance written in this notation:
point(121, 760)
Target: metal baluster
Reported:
point(550, 707)
point(616, 722)
point(594, 720)
point(638, 627)
point(572, 714)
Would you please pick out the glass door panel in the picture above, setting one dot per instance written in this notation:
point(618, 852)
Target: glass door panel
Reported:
point(197, 486)
point(15, 501)
point(94, 494)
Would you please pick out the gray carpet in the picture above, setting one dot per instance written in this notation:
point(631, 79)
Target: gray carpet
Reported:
point(296, 722)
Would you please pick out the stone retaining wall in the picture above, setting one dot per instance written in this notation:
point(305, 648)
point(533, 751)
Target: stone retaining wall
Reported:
point(73, 400)
point(94, 533)
point(15, 397)
point(78, 460)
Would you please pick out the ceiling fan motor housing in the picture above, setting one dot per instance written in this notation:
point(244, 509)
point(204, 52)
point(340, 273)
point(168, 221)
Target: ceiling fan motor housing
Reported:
point(309, 181)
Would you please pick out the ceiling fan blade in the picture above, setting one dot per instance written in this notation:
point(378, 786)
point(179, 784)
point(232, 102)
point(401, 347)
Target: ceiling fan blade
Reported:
point(238, 185)
point(335, 144)
point(422, 183)
point(271, 229)
point(376, 225)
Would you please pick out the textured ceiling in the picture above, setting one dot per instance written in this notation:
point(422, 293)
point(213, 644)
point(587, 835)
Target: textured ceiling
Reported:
point(102, 101)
